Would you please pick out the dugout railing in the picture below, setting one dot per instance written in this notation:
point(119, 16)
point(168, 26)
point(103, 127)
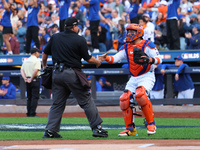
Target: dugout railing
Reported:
point(108, 98)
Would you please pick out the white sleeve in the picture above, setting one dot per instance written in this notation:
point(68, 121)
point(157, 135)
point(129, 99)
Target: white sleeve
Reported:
point(154, 9)
point(147, 33)
point(151, 28)
point(121, 55)
point(153, 52)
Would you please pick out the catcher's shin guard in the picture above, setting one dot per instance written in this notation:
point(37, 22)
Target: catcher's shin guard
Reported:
point(126, 109)
point(144, 102)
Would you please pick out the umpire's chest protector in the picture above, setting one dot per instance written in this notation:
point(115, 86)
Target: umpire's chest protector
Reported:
point(136, 69)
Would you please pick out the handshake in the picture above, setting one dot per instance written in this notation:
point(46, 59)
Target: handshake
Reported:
point(100, 58)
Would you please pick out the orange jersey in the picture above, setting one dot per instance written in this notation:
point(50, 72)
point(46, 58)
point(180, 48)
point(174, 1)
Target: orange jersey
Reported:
point(160, 21)
point(151, 4)
point(127, 53)
point(136, 69)
point(163, 10)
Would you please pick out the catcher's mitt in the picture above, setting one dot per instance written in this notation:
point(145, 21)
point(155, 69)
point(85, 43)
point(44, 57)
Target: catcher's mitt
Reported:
point(140, 57)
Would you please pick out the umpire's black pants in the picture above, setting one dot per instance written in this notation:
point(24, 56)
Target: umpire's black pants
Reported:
point(32, 34)
point(173, 34)
point(63, 83)
point(33, 92)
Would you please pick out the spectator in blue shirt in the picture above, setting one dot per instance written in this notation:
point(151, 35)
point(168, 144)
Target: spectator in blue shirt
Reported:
point(102, 84)
point(172, 25)
point(21, 34)
point(6, 23)
point(133, 11)
point(63, 12)
point(7, 89)
point(182, 82)
point(94, 19)
point(158, 88)
point(106, 86)
point(98, 85)
point(193, 42)
point(109, 27)
point(193, 21)
point(32, 25)
point(122, 34)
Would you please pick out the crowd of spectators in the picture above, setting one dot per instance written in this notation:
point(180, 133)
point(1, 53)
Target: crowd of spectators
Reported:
point(114, 15)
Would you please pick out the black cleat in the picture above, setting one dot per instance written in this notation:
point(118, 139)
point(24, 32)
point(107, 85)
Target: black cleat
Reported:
point(51, 134)
point(99, 132)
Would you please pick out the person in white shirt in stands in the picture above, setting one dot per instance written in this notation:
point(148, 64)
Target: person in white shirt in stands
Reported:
point(108, 7)
point(115, 17)
point(150, 26)
point(147, 30)
point(119, 7)
point(185, 4)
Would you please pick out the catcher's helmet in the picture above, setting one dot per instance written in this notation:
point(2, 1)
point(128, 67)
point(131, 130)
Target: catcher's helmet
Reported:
point(133, 36)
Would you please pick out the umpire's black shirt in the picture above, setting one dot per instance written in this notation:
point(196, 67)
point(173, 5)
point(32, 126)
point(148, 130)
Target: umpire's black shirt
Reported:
point(67, 47)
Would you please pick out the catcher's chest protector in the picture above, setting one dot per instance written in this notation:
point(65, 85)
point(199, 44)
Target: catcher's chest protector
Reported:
point(136, 69)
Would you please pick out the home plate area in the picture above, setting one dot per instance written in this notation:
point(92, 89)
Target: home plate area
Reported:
point(149, 146)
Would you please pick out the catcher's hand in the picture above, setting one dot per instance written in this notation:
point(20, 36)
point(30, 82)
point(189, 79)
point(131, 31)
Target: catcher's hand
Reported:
point(103, 57)
point(141, 58)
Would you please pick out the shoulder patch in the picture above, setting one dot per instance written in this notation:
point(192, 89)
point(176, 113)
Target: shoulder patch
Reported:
point(151, 45)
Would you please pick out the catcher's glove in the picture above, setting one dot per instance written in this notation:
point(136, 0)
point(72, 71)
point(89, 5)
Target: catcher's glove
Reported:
point(141, 58)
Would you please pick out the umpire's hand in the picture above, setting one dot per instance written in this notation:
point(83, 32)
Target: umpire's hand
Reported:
point(98, 61)
point(95, 61)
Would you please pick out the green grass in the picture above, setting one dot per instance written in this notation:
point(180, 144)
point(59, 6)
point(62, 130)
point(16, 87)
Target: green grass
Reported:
point(162, 133)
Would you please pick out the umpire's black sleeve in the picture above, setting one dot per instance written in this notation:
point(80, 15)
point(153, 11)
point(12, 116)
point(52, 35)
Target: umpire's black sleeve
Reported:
point(84, 49)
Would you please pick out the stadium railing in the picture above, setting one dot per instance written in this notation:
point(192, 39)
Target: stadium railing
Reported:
point(8, 62)
point(167, 56)
point(109, 98)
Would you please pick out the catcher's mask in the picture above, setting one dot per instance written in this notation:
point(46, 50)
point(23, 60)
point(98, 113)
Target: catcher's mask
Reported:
point(134, 31)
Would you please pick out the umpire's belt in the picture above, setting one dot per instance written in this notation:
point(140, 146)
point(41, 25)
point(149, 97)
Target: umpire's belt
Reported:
point(60, 66)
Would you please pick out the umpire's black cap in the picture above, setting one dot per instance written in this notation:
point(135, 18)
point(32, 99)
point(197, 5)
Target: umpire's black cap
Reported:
point(71, 21)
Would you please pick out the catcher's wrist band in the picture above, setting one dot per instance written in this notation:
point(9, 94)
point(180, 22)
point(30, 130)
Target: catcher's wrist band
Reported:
point(109, 59)
point(157, 61)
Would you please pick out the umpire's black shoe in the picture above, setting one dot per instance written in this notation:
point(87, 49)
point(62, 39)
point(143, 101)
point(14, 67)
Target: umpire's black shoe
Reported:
point(51, 134)
point(99, 132)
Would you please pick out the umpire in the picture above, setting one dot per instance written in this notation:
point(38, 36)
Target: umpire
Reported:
point(67, 49)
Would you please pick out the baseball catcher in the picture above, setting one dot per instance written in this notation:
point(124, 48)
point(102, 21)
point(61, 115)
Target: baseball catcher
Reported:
point(141, 56)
